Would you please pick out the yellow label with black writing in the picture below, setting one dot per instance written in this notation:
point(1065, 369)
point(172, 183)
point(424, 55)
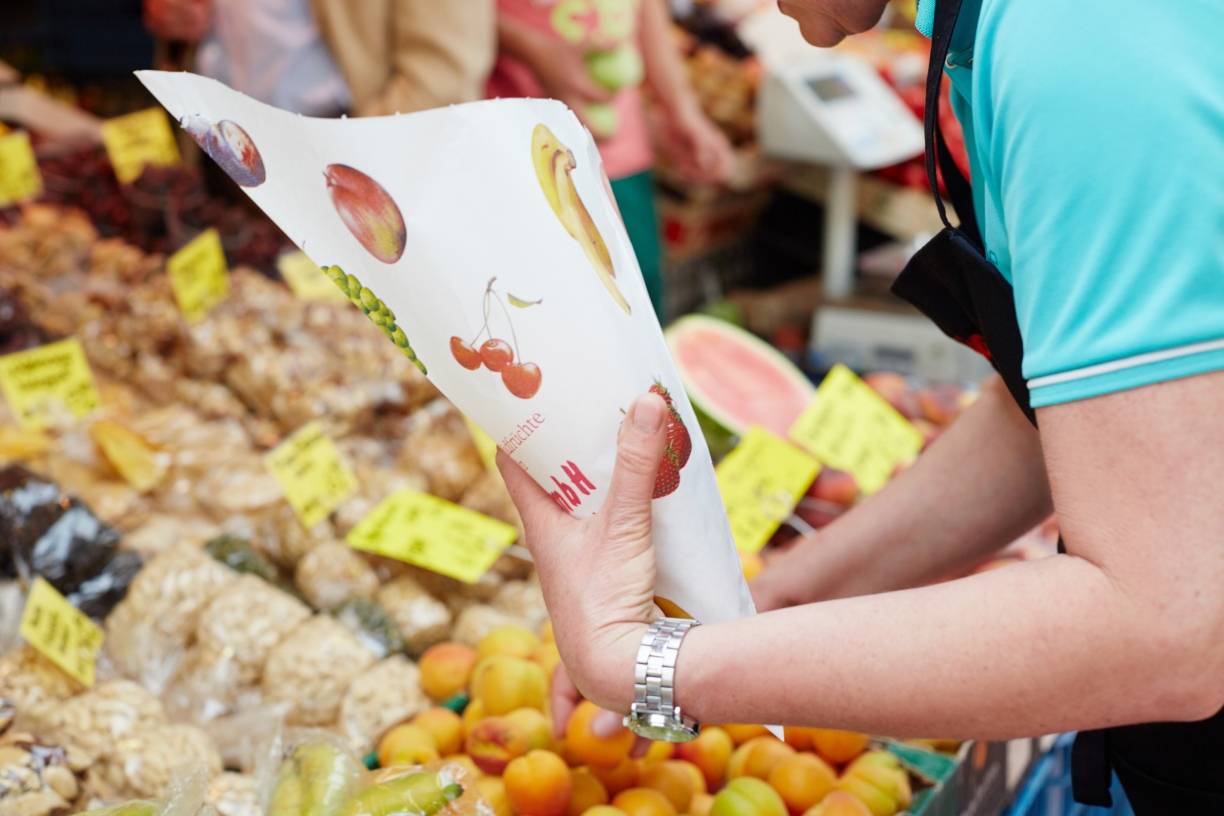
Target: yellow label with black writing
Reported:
point(61, 632)
point(306, 279)
point(49, 385)
point(761, 480)
point(313, 474)
point(434, 534)
point(485, 445)
point(850, 427)
point(139, 139)
point(19, 176)
point(198, 275)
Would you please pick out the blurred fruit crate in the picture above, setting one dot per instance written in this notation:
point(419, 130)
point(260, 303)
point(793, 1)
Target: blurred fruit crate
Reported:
point(693, 227)
point(1047, 789)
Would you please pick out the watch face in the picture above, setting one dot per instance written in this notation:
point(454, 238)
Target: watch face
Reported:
point(659, 728)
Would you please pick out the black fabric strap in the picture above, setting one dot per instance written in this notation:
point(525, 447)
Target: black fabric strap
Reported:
point(946, 14)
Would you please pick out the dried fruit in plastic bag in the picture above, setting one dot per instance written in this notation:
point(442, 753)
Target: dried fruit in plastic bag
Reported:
point(28, 680)
point(422, 619)
point(146, 763)
point(95, 722)
point(244, 622)
point(372, 625)
point(311, 669)
point(234, 794)
point(241, 556)
point(384, 694)
point(332, 573)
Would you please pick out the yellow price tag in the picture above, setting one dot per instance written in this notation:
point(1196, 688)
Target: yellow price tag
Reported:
point(19, 176)
point(313, 474)
point(434, 534)
point(306, 279)
point(61, 632)
point(760, 481)
point(198, 275)
point(46, 385)
point(485, 445)
point(850, 427)
point(137, 139)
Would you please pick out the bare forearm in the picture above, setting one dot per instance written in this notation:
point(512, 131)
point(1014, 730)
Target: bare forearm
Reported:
point(518, 40)
point(1038, 647)
point(979, 486)
point(665, 72)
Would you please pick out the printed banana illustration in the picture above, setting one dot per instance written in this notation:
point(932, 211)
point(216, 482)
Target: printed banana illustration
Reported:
point(554, 162)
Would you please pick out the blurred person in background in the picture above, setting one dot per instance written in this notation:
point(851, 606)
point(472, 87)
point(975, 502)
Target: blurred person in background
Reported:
point(328, 57)
point(594, 55)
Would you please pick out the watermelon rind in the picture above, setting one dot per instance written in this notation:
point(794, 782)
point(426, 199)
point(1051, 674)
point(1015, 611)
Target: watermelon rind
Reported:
point(706, 406)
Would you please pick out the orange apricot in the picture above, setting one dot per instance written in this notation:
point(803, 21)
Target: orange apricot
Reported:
point(446, 669)
point(444, 725)
point(701, 804)
point(658, 751)
point(757, 757)
point(742, 732)
point(538, 784)
point(644, 802)
point(839, 803)
point(510, 640)
point(586, 791)
point(590, 749)
point(494, 742)
point(620, 777)
point(747, 796)
point(493, 790)
point(536, 726)
point(503, 683)
point(798, 738)
point(710, 752)
point(406, 745)
point(676, 779)
point(802, 780)
point(838, 747)
point(603, 810)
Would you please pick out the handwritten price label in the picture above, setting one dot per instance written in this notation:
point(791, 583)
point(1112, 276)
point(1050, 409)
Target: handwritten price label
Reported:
point(139, 139)
point(760, 482)
point(850, 427)
point(19, 176)
point(306, 279)
point(198, 275)
point(45, 385)
point(61, 632)
point(434, 534)
point(314, 476)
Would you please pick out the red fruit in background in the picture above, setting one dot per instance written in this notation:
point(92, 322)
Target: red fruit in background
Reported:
point(368, 211)
point(894, 388)
point(940, 404)
point(669, 477)
point(522, 379)
point(464, 354)
point(496, 354)
point(834, 486)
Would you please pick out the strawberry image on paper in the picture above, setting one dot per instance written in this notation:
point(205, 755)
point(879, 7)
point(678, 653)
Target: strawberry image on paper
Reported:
point(368, 211)
point(522, 379)
point(679, 447)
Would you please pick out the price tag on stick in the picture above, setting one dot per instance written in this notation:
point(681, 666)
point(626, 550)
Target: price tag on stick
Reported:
point(19, 176)
point(139, 139)
point(46, 384)
point(314, 476)
point(434, 534)
point(61, 632)
point(761, 480)
point(850, 427)
point(306, 279)
point(198, 275)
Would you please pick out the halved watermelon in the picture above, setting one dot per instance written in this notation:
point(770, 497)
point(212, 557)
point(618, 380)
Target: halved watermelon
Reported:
point(736, 379)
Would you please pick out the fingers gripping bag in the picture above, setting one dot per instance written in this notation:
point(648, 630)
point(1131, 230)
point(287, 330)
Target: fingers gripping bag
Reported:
point(483, 240)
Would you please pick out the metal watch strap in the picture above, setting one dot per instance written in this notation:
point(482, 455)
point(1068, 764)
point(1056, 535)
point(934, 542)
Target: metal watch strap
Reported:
point(655, 671)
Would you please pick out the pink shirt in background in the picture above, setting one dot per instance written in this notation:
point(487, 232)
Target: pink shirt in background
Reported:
point(593, 25)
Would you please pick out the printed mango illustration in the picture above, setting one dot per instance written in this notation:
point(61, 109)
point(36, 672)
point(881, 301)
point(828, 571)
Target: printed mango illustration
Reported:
point(554, 162)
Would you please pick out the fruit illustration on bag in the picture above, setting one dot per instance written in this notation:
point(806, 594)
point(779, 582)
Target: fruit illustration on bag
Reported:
point(521, 379)
point(679, 447)
point(231, 147)
point(554, 164)
point(380, 314)
point(368, 211)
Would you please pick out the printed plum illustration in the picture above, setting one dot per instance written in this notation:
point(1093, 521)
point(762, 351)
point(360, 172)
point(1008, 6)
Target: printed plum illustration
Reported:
point(522, 379)
point(679, 447)
point(379, 313)
point(368, 211)
point(231, 147)
point(554, 162)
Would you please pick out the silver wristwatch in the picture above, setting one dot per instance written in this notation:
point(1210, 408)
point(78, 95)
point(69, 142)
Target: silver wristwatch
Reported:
point(654, 714)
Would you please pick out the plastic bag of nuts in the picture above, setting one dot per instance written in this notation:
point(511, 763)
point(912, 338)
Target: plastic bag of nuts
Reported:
point(384, 694)
point(311, 669)
point(422, 619)
point(333, 573)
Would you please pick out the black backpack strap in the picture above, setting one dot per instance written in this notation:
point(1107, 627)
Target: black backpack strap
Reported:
point(946, 14)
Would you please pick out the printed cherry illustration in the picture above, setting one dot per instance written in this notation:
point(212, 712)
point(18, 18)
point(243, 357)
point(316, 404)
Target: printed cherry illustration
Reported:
point(464, 354)
point(496, 354)
point(522, 379)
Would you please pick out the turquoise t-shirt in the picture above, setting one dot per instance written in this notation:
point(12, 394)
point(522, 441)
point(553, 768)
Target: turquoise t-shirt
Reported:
point(1095, 132)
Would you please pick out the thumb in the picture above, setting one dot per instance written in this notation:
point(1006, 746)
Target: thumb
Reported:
point(535, 506)
point(642, 440)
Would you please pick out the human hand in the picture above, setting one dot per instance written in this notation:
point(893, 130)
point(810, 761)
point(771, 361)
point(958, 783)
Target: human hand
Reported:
point(598, 573)
point(184, 20)
point(605, 725)
point(562, 73)
point(792, 578)
point(696, 147)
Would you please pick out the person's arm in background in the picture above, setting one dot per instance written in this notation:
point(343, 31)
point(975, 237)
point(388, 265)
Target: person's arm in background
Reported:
point(441, 53)
point(978, 487)
point(557, 65)
point(692, 142)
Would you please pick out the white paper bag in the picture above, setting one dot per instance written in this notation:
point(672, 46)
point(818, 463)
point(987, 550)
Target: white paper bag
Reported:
point(483, 239)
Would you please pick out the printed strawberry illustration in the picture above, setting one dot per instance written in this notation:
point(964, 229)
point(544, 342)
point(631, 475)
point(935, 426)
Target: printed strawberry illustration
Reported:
point(678, 438)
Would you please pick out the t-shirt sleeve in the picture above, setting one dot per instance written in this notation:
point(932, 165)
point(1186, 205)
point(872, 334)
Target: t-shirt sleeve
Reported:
point(1108, 145)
